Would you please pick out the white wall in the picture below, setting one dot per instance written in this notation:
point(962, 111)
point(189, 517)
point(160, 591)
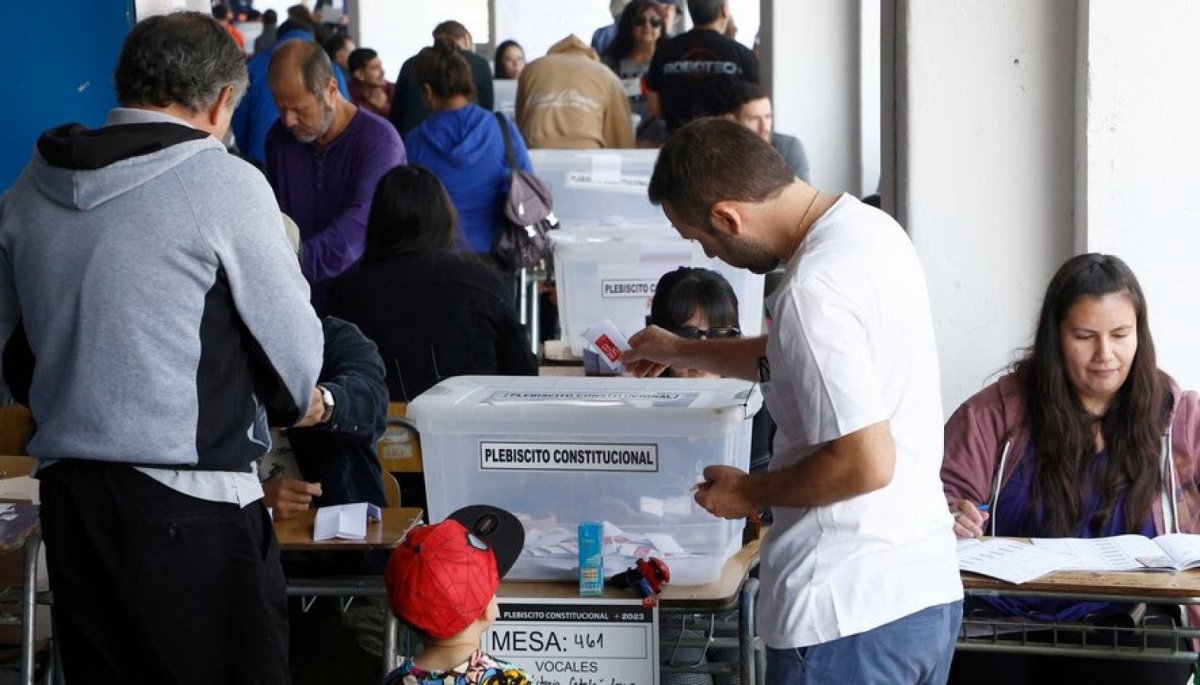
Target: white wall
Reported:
point(538, 24)
point(397, 30)
point(987, 170)
point(146, 8)
point(816, 86)
point(869, 92)
point(1140, 172)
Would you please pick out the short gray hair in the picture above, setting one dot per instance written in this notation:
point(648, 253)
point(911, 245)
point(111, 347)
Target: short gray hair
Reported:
point(183, 58)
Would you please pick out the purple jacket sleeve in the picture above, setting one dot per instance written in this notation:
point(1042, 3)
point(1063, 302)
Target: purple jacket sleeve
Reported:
point(334, 250)
point(975, 436)
point(1185, 451)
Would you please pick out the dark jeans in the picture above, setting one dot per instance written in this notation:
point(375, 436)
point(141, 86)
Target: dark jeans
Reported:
point(153, 586)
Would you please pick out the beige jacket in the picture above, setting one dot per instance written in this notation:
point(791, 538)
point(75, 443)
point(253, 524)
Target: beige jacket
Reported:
point(570, 100)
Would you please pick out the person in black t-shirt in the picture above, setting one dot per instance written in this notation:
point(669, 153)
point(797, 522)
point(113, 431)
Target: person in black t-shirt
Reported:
point(690, 74)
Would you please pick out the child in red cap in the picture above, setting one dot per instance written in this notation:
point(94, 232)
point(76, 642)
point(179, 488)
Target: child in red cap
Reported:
point(442, 582)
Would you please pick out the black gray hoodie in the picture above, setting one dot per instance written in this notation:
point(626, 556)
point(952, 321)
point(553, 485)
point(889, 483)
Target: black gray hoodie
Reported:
point(151, 309)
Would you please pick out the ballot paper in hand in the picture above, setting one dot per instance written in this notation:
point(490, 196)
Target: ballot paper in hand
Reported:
point(609, 342)
point(345, 521)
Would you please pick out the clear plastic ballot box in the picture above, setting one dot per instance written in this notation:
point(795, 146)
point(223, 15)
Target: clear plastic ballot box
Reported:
point(599, 187)
point(556, 451)
point(611, 273)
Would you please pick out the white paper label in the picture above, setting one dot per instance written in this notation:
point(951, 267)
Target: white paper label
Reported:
point(567, 456)
point(634, 185)
point(581, 641)
point(627, 287)
point(593, 398)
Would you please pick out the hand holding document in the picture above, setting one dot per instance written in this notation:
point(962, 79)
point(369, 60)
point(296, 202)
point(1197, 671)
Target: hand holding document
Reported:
point(344, 521)
point(609, 342)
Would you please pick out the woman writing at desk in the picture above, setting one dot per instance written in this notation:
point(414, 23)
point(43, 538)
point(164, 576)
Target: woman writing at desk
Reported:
point(1085, 438)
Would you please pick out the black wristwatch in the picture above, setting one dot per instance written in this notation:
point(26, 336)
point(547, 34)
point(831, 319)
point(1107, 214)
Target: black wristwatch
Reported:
point(327, 404)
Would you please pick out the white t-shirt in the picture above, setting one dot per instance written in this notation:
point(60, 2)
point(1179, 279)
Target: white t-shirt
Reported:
point(851, 345)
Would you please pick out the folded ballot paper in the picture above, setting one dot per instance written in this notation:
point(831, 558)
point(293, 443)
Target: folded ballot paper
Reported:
point(609, 342)
point(344, 521)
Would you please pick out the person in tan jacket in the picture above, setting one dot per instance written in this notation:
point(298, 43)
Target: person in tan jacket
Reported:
point(570, 100)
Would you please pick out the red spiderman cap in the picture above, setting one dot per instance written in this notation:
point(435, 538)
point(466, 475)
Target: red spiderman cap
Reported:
point(443, 576)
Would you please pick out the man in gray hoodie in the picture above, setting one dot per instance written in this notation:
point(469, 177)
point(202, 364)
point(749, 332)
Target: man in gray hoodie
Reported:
point(154, 320)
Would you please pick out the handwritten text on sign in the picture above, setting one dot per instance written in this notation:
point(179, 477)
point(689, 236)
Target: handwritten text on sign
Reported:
point(583, 642)
point(563, 456)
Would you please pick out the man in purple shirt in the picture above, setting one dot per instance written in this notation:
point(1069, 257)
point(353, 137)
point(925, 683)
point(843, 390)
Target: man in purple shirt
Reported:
point(324, 157)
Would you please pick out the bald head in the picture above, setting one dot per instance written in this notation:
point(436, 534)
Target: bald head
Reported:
point(303, 61)
point(305, 91)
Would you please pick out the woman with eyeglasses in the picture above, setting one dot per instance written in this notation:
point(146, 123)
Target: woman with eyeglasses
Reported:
point(640, 31)
point(695, 303)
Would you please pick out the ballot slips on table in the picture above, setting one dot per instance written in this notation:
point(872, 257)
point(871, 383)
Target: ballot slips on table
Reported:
point(1171, 552)
point(1009, 560)
point(345, 521)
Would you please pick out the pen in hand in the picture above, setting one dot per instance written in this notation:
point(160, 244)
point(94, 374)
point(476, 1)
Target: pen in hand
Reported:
point(981, 509)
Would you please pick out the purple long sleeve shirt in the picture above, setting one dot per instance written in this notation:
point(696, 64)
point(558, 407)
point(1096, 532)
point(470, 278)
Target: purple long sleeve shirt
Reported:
point(327, 192)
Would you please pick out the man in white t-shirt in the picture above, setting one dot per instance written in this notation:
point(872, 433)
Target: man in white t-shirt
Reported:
point(859, 572)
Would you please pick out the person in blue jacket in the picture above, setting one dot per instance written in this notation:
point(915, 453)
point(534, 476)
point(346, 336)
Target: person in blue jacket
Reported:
point(462, 143)
point(257, 112)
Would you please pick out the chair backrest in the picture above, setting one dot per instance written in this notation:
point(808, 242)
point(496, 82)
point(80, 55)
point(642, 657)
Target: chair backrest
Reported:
point(391, 489)
point(400, 447)
point(16, 427)
point(399, 451)
point(12, 466)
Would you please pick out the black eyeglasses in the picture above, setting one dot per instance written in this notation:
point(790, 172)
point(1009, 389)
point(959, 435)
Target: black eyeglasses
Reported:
point(693, 333)
point(652, 22)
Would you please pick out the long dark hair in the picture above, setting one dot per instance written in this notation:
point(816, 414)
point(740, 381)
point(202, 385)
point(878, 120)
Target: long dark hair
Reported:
point(1062, 430)
point(686, 290)
point(411, 213)
point(502, 48)
point(622, 44)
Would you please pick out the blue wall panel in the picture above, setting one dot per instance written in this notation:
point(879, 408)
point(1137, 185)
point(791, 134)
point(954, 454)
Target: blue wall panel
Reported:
point(58, 56)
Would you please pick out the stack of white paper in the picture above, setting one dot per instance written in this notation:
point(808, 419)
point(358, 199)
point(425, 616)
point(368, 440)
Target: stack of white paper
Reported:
point(1172, 552)
point(1009, 560)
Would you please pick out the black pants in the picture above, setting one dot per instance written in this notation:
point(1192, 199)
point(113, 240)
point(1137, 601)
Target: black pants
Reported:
point(153, 586)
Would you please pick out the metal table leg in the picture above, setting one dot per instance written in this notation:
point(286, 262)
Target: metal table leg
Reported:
point(535, 315)
point(29, 607)
point(390, 626)
point(746, 597)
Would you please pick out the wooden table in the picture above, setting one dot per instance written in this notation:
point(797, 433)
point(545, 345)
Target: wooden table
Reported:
point(296, 535)
point(1130, 586)
point(734, 590)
